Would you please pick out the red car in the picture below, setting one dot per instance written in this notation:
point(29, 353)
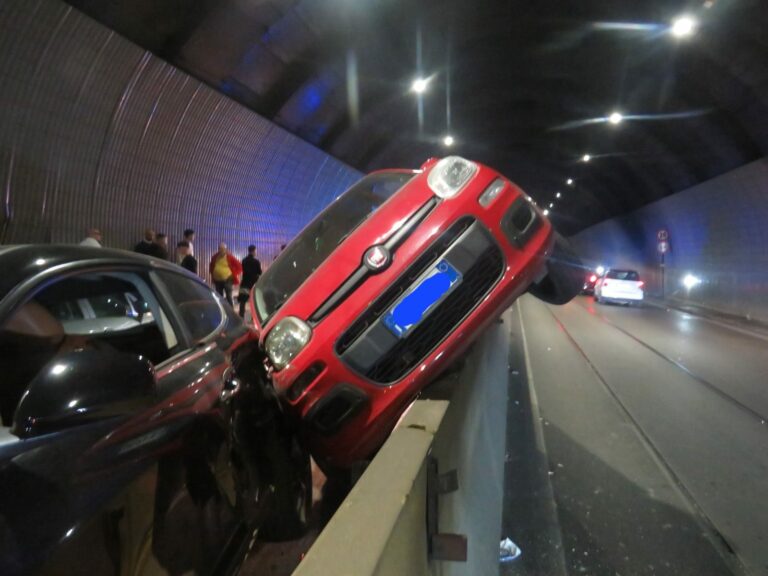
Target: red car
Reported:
point(382, 291)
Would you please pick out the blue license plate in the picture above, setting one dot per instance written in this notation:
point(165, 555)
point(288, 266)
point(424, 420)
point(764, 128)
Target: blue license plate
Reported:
point(416, 304)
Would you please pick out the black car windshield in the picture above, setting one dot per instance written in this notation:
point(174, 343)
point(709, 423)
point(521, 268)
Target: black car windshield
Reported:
point(623, 275)
point(316, 242)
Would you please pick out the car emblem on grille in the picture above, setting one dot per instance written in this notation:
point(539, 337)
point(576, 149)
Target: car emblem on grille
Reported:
point(376, 258)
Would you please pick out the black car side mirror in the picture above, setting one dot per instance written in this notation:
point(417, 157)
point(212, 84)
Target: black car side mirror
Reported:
point(85, 386)
point(564, 277)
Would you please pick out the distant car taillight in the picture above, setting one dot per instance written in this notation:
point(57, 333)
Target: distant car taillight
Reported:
point(640, 284)
point(593, 278)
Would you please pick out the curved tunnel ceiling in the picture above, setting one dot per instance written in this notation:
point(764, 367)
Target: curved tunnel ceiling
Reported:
point(525, 87)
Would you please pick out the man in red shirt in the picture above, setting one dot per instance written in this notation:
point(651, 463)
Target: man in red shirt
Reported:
point(225, 271)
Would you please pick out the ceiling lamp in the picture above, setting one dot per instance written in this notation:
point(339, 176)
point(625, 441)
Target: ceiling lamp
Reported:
point(683, 26)
point(420, 85)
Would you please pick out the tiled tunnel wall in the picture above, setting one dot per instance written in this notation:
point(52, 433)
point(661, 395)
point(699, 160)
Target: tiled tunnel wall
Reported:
point(718, 231)
point(96, 132)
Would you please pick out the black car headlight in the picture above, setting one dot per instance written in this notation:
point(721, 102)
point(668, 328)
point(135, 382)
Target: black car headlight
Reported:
point(286, 340)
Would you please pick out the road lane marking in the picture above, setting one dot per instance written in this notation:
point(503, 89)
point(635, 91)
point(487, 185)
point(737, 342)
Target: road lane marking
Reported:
point(556, 538)
point(716, 538)
point(706, 383)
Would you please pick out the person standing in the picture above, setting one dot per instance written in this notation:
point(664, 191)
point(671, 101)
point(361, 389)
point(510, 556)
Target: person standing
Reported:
point(93, 238)
point(251, 273)
point(161, 246)
point(188, 262)
point(225, 270)
point(189, 237)
point(147, 245)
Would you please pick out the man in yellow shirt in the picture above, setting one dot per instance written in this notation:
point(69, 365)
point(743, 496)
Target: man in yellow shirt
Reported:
point(225, 271)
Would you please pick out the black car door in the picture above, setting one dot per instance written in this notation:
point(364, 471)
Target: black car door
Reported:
point(65, 389)
point(120, 487)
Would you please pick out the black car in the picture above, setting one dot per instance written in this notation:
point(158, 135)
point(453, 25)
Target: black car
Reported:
point(138, 435)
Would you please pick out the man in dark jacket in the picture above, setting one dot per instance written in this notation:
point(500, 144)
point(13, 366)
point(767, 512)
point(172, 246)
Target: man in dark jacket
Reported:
point(187, 260)
point(147, 246)
point(161, 246)
point(251, 273)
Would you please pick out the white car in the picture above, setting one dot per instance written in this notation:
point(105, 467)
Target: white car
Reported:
point(619, 286)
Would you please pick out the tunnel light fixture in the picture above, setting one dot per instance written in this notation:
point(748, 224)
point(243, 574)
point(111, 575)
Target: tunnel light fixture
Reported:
point(558, 195)
point(600, 270)
point(551, 205)
point(546, 212)
point(420, 85)
point(615, 118)
point(569, 181)
point(448, 140)
point(683, 26)
point(586, 158)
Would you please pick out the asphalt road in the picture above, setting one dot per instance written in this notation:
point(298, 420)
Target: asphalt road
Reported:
point(637, 442)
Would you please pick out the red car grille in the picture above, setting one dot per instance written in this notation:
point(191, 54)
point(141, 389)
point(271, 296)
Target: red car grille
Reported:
point(477, 281)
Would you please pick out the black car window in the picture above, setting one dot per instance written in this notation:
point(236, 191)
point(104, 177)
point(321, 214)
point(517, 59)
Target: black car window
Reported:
point(623, 275)
point(80, 312)
point(197, 305)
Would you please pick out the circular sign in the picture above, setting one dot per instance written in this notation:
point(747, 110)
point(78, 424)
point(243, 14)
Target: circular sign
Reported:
point(662, 235)
point(663, 247)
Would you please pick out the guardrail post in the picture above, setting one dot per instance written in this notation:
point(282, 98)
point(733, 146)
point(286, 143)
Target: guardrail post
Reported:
point(450, 547)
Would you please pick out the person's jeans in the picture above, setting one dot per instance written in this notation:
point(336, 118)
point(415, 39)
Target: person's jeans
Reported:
point(242, 298)
point(224, 288)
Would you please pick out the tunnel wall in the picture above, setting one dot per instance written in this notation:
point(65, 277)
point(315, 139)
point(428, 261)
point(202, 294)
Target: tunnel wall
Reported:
point(718, 231)
point(96, 132)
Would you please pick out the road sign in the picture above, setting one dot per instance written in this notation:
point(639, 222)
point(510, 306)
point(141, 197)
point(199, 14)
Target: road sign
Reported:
point(663, 247)
point(662, 236)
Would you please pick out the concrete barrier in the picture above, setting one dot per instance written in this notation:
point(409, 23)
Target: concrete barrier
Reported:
point(381, 527)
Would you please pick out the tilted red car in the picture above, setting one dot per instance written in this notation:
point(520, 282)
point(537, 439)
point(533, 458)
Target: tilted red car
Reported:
point(380, 292)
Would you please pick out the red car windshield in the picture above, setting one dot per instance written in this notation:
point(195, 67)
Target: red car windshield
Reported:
point(321, 237)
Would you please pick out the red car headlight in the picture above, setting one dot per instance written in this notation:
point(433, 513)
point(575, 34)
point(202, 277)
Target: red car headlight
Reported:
point(286, 340)
point(450, 175)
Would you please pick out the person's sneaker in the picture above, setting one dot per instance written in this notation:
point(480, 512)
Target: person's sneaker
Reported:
point(508, 551)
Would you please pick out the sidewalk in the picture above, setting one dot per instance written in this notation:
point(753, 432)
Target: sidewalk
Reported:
point(756, 327)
